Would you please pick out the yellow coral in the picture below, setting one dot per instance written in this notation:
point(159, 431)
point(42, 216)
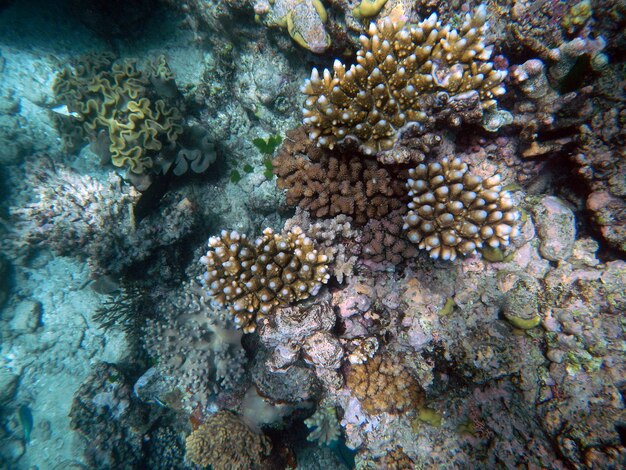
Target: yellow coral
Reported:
point(226, 443)
point(406, 75)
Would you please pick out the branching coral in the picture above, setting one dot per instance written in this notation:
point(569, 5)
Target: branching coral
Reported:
point(256, 277)
point(324, 426)
point(384, 384)
point(454, 212)
point(225, 442)
point(330, 183)
point(406, 77)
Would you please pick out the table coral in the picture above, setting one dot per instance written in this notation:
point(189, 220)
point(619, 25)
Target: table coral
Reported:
point(226, 442)
point(455, 212)
point(256, 277)
point(304, 20)
point(407, 77)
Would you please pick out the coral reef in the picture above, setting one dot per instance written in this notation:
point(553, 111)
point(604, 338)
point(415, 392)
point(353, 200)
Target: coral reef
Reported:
point(384, 385)
point(329, 183)
point(383, 241)
point(336, 236)
point(455, 212)
point(77, 215)
point(226, 442)
point(111, 419)
point(256, 277)
point(304, 20)
point(406, 78)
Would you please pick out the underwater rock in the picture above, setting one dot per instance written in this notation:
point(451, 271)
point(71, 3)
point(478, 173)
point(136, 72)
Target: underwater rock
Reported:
point(556, 228)
point(26, 317)
point(8, 385)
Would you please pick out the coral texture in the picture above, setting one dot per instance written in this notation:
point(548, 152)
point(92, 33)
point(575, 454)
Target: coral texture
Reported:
point(383, 240)
point(256, 277)
point(330, 183)
point(407, 76)
point(199, 353)
point(226, 443)
point(324, 426)
point(384, 384)
point(455, 212)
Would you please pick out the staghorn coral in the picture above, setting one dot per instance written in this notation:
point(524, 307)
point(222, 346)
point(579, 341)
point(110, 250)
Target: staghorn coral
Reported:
point(77, 215)
point(406, 77)
point(304, 20)
point(384, 385)
point(256, 277)
point(225, 442)
point(455, 212)
point(132, 116)
point(330, 183)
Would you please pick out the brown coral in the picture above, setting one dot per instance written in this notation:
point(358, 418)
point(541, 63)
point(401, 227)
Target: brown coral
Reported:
point(331, 183)
point(407, 76)
point(383, 241)
point(255, 277)
point(384, 384)
point(455, 212)
point(225, 442)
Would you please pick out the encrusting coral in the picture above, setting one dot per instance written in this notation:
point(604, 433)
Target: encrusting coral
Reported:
point(384, 384)
point(225, 442)
point(407, 77)
point(455, 212)
point(256, 277)
point(329, 183)
point(304, 20)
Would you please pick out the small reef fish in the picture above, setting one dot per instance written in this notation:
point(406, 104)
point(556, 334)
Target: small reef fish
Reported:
point(25, 417)
point(62, 109)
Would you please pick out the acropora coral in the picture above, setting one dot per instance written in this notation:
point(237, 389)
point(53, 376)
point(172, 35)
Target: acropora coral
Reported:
point(407, 77)
point(253, 278)
point(225, 442)
point(454, 212)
